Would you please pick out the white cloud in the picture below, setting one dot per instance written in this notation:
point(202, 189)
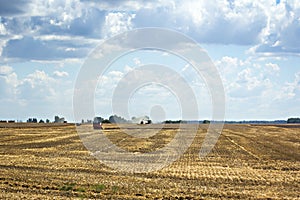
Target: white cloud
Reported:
point(117, 22)
point(12, 79)
point(220, 21)
point(4, 70)
point(273, 28)
point(229, 61)
point(49, 28)
point(246, 78)
point(137, 61)
point(60, 73)
point(115, 74)
point(127, 69)
point(69, 9)
point(256, 88)
point(3, 30)
point(37, 79)
point(290, 90)
point(227, 65)
point(37, 94)
point(55, 25)
point(8, 82)
point(272, 67)
point(281, 31)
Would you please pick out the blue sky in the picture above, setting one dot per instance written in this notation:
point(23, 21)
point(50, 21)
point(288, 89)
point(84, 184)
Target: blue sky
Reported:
point(254, 44)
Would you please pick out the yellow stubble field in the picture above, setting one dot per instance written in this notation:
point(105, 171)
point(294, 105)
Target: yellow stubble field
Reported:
point(49, 161)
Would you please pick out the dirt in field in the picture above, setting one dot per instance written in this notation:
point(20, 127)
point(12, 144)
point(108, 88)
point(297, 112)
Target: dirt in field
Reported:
point(248, 162)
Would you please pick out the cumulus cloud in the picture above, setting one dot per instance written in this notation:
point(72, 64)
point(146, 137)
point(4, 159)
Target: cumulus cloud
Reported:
point(43, 34)
point(290, 90)
point(36, 86)
point(247, 78)
point(255, 84)
point(117, 22)
point(8, 82)
point(3, 30)
point(4, 70)
point(39, 76)
point(60, 73)
point(272, 68)
point(227, 65)
point(208, 21)
point(269, 27)
point(37, 94)
point(281, 31)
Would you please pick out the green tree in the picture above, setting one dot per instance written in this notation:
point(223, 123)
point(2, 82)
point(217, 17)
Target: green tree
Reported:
point(56, 119)
point(293, 120)
point(206, 121)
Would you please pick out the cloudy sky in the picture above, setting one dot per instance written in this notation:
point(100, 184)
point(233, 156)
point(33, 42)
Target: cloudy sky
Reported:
point(254, 44)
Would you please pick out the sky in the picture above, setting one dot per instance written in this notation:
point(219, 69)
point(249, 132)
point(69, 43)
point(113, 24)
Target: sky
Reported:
point(255, 46)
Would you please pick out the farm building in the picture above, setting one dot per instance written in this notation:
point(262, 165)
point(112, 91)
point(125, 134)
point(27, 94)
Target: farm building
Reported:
point(59, 120)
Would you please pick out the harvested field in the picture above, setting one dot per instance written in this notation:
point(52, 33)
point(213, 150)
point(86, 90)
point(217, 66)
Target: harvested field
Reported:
point(248, 162)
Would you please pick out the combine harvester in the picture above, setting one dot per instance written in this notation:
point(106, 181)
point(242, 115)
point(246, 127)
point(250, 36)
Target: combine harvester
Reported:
point(142, 120)
point(97, 123)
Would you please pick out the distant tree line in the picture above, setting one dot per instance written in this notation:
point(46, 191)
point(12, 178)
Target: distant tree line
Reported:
point(96, 120)
point(174, 121)
point(35, 120)
point(117, 119)
point(185, 122)
point(206, 122)
point(7, 121)
point(257, 122)
point(111, 119)
point(57, 119)
point(293, 120)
